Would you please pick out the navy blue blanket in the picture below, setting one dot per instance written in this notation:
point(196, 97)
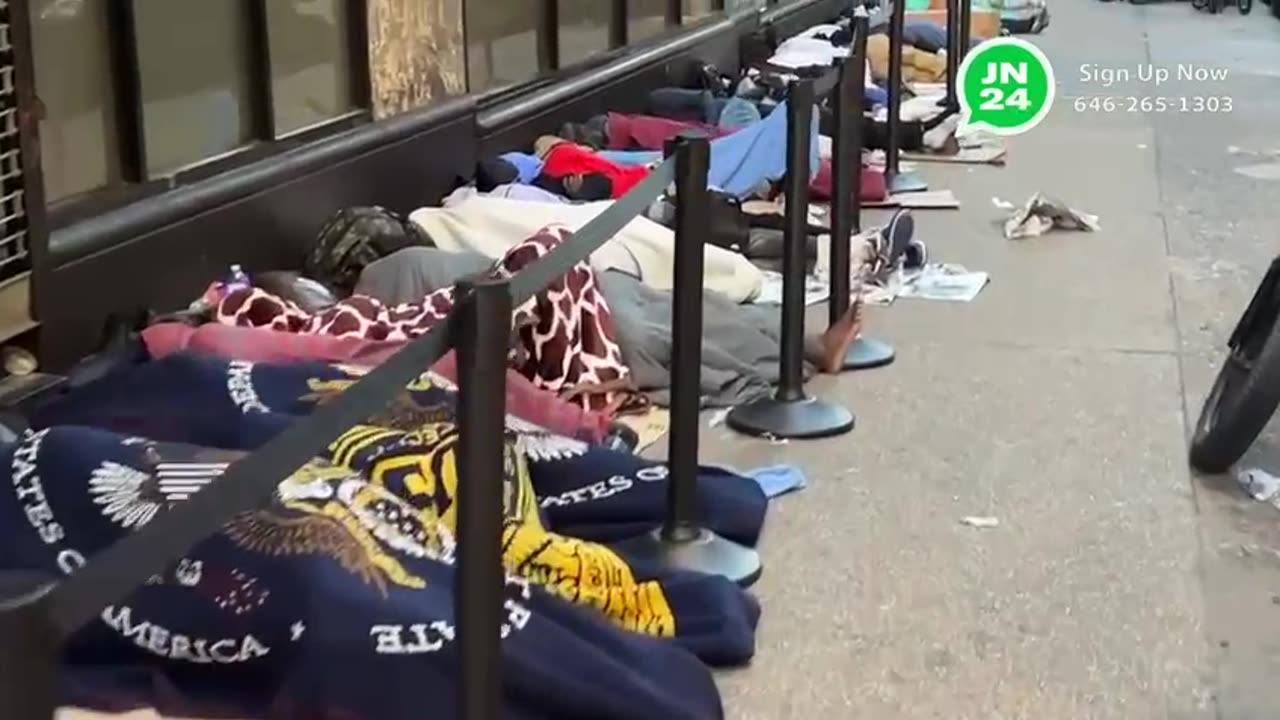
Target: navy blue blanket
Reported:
point(328, 603)
point(403, 456)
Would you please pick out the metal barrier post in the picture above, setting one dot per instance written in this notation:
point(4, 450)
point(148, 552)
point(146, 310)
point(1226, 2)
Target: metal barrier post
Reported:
point(895, 180)
point(483, 333)
point(955, 43)
point(965, 30)
point(30, 647)
point(846, 206)
point(682, 541)
point(790, 413)
point(692, 224)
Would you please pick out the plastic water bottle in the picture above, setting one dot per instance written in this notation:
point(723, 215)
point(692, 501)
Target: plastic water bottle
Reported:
point(236, 279)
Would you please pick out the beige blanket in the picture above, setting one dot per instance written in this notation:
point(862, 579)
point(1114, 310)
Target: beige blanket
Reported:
point(491, 225)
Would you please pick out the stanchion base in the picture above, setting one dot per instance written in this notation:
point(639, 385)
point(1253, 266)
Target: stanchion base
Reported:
point(807, 418)
point(866, 353)
point(905, 183)
point(705, 552)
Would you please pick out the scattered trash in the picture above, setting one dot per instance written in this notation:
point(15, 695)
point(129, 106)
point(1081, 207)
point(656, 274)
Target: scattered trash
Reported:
point(717, 417)
point(1040, 214)
point(649, 427)
point(774, 439)
point(1264, 171)
point(816, 289)
point(980, 521)
point(1261, 485)
point(777, 480)
point(1235, 150)
point(944, 282)
point(1142, 146)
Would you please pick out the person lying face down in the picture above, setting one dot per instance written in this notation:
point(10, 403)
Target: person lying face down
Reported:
point(578, 173)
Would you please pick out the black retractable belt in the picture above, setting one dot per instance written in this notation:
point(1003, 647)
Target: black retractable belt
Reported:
point(846, 204)
point(790, 412)
point(682, 541)
point(895, 180)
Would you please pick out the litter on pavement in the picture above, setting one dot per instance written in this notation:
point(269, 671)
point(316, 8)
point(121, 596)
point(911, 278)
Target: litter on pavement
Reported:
point(1041, 214)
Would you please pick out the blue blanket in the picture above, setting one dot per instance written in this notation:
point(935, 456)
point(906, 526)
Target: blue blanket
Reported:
point(745, 160)
point(321, 605)
point(163, 428)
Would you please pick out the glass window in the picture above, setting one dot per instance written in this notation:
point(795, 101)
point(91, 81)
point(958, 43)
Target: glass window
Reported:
point(194, 85)
point(502, 42)
point(584, 29)
point(73, 82)
point(310, 61)
point(645, 18)
point(695, 9)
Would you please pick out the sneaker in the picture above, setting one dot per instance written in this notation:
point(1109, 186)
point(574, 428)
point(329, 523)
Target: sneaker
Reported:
point(938, 137)
point(897, 234)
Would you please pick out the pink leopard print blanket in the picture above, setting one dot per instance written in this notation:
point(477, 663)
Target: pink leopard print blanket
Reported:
point(565, 333)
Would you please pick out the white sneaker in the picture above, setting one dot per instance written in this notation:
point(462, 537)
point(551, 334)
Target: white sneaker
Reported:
point(937, 138)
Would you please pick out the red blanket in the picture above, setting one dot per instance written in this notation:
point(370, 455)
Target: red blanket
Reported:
point(873, 187)
point(645, 132)
point(568, 159)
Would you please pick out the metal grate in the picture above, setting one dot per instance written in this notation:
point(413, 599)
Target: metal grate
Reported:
point(15, 255)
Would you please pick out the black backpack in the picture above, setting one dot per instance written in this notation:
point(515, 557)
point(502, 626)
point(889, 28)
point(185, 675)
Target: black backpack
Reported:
point(355, 237)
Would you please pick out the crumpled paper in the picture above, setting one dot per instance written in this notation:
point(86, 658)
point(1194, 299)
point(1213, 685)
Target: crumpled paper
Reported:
point(1041, 214)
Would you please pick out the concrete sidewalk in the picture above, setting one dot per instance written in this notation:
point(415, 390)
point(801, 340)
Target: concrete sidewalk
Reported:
point(1116, 586)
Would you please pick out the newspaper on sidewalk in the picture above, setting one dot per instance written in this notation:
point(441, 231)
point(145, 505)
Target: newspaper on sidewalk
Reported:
point(954, 283)
point(1040, 214)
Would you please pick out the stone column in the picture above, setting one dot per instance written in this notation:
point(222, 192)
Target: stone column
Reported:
point(416, 53)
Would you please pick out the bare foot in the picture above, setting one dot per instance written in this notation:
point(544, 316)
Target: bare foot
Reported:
point(829, 349)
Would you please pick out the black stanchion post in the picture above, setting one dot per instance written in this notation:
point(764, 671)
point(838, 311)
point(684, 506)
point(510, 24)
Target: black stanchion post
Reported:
point(846, 185)
point(895, 180)
point(790, 413)
point(955, 41)
point(682, 541)
point(483, 333)
point(965, 29)
point(29, 649)
point(847, 155)
point(692, 224)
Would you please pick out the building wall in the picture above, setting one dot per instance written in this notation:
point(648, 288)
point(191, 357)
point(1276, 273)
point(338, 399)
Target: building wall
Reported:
point(416, 53)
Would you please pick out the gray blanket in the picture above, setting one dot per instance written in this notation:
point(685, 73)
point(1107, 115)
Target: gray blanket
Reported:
point(739, 342)
point(412, 273)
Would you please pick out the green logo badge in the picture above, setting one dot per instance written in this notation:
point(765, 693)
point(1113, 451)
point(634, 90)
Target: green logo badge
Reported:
point(1006, 86)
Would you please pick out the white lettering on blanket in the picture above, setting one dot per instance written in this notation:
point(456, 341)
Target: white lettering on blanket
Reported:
point(602, 489)
point(30, 491)
point(176, 646)
point(653, 473)
point(240, 386)
point(595, 491)
point(415, 639)
point(70, 561)
point(430, 637)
